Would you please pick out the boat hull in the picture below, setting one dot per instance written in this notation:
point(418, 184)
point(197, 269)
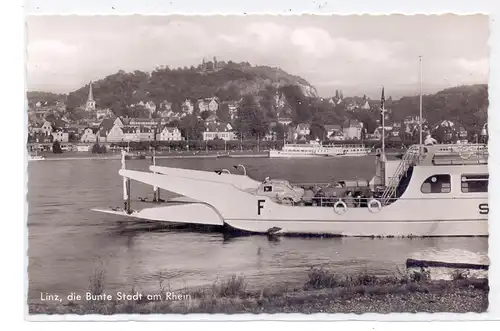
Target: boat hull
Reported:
point(202, 214)
point(366, 229)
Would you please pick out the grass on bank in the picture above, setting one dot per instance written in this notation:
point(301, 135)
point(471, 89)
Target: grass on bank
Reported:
point(323, 291)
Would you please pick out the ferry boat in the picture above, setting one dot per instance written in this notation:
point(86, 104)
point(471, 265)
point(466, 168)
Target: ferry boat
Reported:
point(315, 149)
point(437, 190)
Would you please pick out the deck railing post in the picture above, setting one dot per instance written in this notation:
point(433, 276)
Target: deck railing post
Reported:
point(126, 187)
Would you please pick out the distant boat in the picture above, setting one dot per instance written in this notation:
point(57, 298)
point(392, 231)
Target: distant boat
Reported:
point(315, 149)
point(223, 155)
point(35, 157)
point(135, 156)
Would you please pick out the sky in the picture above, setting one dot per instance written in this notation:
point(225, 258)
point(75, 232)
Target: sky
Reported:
point(357, 54)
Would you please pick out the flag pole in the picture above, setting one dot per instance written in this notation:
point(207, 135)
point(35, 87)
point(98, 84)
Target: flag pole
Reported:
point(420, 110)
point(383, 121)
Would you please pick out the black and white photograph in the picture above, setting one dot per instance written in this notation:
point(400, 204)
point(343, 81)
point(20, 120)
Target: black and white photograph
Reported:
point(257, 164)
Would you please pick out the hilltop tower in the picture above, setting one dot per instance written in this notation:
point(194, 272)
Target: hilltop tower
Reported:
point(90, 105)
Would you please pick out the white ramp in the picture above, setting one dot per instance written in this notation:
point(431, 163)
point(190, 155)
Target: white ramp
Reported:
point(193, 213)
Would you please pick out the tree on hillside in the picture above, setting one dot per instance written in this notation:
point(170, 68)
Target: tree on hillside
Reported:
point(223, 113)
point(191, 127)
point(205, 114)
point(280, 130)
point(317, 131)
point(298, 102)
point(251, 122)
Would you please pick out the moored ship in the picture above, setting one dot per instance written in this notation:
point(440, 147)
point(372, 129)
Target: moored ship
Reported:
point(315, 149)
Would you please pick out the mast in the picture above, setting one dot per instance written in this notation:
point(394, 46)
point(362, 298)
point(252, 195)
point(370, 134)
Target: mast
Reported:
point(420, 120)
point(383, 125)
point(156, 189)
point(382, 110)
point(126, 188)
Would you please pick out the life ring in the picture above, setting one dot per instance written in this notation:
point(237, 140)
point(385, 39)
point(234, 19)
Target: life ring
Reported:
point(340, 207)
point(377, 208)
point(465, 153)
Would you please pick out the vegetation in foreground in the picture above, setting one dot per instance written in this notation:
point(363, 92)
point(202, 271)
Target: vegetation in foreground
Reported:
point(324, 292)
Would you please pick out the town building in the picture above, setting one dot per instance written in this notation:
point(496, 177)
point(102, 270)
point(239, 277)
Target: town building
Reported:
point(89, 135)
point(46, 128)
point(333, 131)
point(90, 105)
point(60, 135)
point(219, 131)
point(169, 133)
point(187, 107)
point(377, 134)
point(352, 129)
point(302, 130)
point(208, 104)
point(284, 120)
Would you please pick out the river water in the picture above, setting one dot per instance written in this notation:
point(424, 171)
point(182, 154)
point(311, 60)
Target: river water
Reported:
point(68, 243)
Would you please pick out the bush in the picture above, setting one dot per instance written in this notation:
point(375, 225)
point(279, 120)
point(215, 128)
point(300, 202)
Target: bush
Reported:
point(56, 147)
point(99, 149)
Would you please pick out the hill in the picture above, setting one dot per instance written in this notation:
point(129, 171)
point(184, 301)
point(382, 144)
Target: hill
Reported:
point(45, 98)
point(229, 81)
point(466, 104)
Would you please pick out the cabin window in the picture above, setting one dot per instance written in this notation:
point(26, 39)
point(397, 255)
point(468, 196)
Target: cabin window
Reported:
point(474, 183)
point(437, 184)
point(268, 188)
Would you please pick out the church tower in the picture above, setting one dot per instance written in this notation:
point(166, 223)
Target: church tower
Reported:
point(90, 106)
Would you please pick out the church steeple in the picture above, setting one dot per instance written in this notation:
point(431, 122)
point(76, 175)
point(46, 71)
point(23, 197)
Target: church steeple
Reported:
point(90, 106)
point(91, 95)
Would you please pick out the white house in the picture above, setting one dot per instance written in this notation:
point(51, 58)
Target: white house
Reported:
point(60, 135)
point(165, 105)
point(219, 131)
point(46, 128)
point(284, 120)
point(302, 130)
point(333, 131)
point(353, 129)
point(131, 133)
point(89, 135)
point(166, 113)
point(169, 133)
point(378, 132)
point(102, 113)
point(366, 106)
point(187, 107)
point(119, 122)
point(150, 106)
point(210, 104)
point(116, 133)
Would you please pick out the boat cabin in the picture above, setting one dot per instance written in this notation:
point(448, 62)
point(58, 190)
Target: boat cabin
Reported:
point(424, 172)
point(432, 171)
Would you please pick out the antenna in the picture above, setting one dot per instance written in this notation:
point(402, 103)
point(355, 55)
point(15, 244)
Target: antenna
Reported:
point(420, 112)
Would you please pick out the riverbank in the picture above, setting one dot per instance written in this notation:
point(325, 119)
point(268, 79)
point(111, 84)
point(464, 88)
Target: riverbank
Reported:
point(183, 155)
point(324, 292)
point(117, 156)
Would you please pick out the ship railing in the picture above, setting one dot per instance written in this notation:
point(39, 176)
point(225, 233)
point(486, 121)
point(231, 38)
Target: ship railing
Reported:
point(356, 202)
point(410, 157)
